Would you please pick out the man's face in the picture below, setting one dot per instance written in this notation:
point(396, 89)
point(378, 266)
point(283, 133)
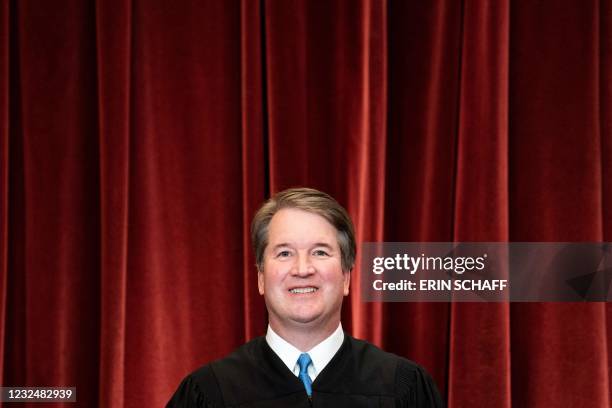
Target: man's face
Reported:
point(302, 279)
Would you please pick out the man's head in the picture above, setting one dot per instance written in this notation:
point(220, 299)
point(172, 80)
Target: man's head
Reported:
point(305, 249)
point(312, 201)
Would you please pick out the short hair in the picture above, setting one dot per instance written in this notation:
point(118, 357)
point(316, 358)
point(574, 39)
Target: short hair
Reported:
point(312, 201)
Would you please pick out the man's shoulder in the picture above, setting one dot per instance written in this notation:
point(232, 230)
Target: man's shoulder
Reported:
point(205, 384)
point(369, 353)
point(392, 373)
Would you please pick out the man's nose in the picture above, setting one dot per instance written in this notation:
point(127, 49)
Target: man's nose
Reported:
point(303, 266)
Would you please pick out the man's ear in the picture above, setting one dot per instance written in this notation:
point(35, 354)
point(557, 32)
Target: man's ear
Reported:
point(260, 281)
point(347, 281)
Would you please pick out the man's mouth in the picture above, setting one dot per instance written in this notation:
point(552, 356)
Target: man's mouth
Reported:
point(309, 289)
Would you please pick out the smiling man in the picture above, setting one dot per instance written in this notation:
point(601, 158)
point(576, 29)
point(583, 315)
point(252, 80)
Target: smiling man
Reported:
point(305, 250)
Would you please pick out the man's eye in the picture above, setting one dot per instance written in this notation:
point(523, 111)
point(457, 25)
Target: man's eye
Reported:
point(283, 254)
point(320, 252)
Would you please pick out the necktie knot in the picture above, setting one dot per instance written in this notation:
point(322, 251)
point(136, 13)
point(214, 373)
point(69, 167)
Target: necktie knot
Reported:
point(304, 361)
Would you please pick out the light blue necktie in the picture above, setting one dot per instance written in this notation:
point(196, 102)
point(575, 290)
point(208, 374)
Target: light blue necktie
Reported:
point(304, 361)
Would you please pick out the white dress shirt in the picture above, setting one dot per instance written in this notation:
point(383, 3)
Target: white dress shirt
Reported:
point(321, 354)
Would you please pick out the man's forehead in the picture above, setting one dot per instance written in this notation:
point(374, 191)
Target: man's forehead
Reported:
point(294, 226)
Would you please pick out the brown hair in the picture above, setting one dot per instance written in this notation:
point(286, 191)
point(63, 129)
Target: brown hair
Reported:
point(310, 200)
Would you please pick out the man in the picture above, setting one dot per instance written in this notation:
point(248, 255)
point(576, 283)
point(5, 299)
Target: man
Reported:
point(305, 250)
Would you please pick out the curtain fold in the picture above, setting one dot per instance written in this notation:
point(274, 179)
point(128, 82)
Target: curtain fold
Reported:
point(137, 139)
point(327, 104)
point(481, 202)
point(365, 191)
point(605, 126)
point(4, 171)
point(253, 160)
point(556, 193)
point(424, 53)
point(113, 45)
point(185, 302)
point(53, 316)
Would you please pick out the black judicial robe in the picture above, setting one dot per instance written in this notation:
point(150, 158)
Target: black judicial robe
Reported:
point(359, 375)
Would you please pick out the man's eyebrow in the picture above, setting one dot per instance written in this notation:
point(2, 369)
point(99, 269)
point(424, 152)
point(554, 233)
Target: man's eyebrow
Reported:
point(323, 244)
point(317, 244)
point(282, 244)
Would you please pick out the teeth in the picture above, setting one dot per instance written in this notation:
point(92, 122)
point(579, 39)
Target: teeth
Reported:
point(303, 290)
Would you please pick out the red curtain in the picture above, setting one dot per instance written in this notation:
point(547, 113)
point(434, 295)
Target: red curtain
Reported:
point(137, 138)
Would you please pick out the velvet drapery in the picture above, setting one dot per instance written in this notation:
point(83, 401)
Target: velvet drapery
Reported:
point(138, 137)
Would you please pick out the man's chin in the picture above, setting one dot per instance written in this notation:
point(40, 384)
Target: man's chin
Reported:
point(306, 320)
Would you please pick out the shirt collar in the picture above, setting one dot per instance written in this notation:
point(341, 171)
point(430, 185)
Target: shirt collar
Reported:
point(321, 354)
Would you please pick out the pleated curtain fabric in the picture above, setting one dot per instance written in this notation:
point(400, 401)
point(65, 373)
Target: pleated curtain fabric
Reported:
point(138, 138)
